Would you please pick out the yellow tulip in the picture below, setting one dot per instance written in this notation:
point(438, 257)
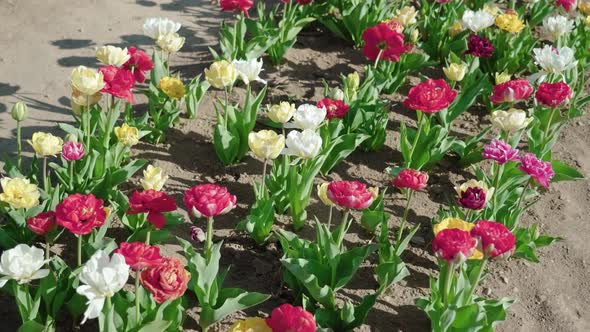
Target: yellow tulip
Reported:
point(323, 194)
point(221, 74)
point(502, 77)
point(250, 325)
point(112, 55)
point(587, 21)
point(19, 193)
point(455, 29)
point(79, 100)
point(266, 144)
point(509, 22)
point(456, 223)
point(170, 43)
point(127, 135)
point(455, 71)
point(153, 178)
point(492, 9)
point(172, 87)
point(282, 112)
point(46, 144)
point(584, 7)
point(87, 81)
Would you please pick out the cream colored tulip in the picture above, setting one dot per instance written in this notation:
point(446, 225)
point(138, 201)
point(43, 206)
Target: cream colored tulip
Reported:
point(455, 71)
point(127, 135)
point(45, 144)
point(282, 112)
point(266, 144)
point(86, 80)
point(323, 194)
point(19, 193)
point(502, 77)
point(153, 178)
point(406, 16)
point(170, 43)
point(221, 74)
point(511, 120)
point(112, 55)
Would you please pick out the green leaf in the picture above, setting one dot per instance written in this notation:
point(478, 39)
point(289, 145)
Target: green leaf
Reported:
point(31, 326)
point(564, 172)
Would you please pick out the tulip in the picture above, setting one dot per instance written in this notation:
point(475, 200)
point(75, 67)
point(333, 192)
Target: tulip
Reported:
point(478, 20)
point(480, 47)
point(405, 16)
point(456, 29)
point(306, 144)
point(502, 77)
point(540, 170)
point(553, 94)
point(139, 255)
point(23, 264)
point(78, 100)
point(323, 195)
point(511, 91)
point(455, 71)
point(19, 113)
point(197, 234)
point(252, 324)
point(42, 223)
point(287, 318)
point(335, 108)
point(166, 281)
point(153, 178)
point(587, 21)
point(266, 144)
point(102, 277)
point(500, 151)
point(282, 112)
point(112, 56)
point(46, 144)
point(308, 116)
point(413, 180)
point(172, 87)
point(19, 193)
point(509, 22)
point(249, 70)
point(154, 203)
point(87, 81)
point(139, 64)
point(556, 26)
point(584, 7)
point(170, 43)
point(73, 151)
point(430, 96)
point(155, 27)
point(353, 81)
point(383, 42)
point(453, 245)
point(127, 135)
point(221, 74)
point(511, 120)
point(553, 60)
point(452, 223)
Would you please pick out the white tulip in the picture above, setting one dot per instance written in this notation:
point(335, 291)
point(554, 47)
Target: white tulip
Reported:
point(553, 60)
point(22, 263)
point(112, 55)
point(477, 21)
point(511, 120)
point(307, 116)
point(306, 144)
point(153, 178)
point(248, 70)
point(103, 277)
point(336, 94)
point(556, 26)
point(170, 43)
point(155, 27)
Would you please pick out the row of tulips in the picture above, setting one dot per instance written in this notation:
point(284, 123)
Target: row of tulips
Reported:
point(82, 196)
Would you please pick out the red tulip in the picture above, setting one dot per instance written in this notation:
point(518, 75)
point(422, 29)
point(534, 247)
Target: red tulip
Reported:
point(473, 198)
point(208, 200)
point(383, 38)
point(118, 82)
point(511, 91)
point(350, 194)
point(334, 108)
point(553, 94)
point(139, 255)
point(167, 280)
point(154, 203)
point(80, 213)
point(453, 245)
point(139, 63)
point(566, 4)
point(287, 318)
point(411, 179)
point(42, 223)
point(494, 238)
point(236, 5)
point(480, 47)
point(430, 96)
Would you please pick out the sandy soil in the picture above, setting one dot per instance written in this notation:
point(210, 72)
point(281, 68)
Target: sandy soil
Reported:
point(43, 40)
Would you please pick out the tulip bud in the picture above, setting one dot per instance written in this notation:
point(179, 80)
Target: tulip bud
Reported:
point(19, 111)
point(415, 35)
point(336, 94)
point(455, 71)
point(353, 81)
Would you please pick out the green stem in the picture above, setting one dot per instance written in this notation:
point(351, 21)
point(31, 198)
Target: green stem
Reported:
point(400, 232)
point(468, 215)
point(526, 186)
point(18, 145)
point(225, 106)
point(343, 228)
point(137, 307)
point(377, 60)
point(79, 250)
point(87, 124)
point(47, 246)
point(416, 138)
point(548, 127)
point(71, 169)
point(330, 216)
point(448, 282)
point(209, 241)
point(497, 176)
point(476, 281)
point(107, 134)
point(45, 180)
point(262, 185)
point(147, 237)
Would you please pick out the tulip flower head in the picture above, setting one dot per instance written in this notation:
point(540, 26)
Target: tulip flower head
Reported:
point(474, 194)
point(287, 318)
point(334, 108)
point(308, 116)
point(221, 74)
point(112, 55)
point(455, 71)
point(19, 193)
point(80, 213)
point(384, 42)
point(42, 223)
point(252, 324)
point(456, 223)
point(86, 80)
point(323, 194)
point(476, 21)
point(430, 96)
point(453, 245)
point(208, 200)
point(154, 203)
point(411, 179)
point(101, 278)
point(153, 178)
point(127, 135)
point(500, 152)
point(139, 255)
point(511, 91)
point(139, 64)
point(45, 144)
point(494, 239)
point(249, 70)
point(553, 60)
point(303, 144)
point(509, 22)
point(23, 264)
point(556, 26)
point(172, 87)
point(511, 120)
point(480, 47)
point(73, 151)
point(166, 281)
point(553, 94)
point(266, 144)
point(350, 194)
point(155, 27)
point(170, 43)
point(282, 112)
point(540, 170)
